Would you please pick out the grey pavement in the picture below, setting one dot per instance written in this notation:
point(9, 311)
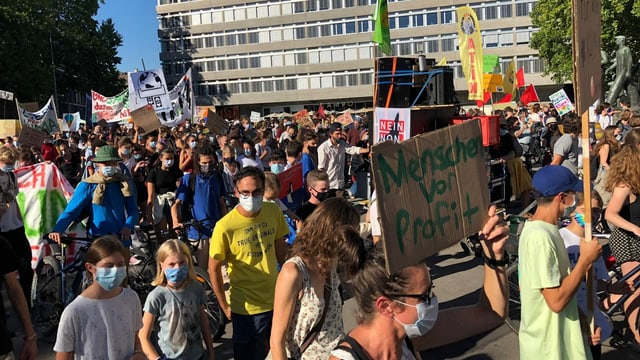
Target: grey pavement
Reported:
point(457, 279)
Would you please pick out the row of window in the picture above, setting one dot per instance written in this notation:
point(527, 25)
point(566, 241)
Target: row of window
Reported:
point(350, 52)
point(313, 81)
point(428, 16)
point(530, 65)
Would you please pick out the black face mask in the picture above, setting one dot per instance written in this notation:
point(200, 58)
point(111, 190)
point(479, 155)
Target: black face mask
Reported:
point(553, 127)
point(322, 196)
point(313, 149)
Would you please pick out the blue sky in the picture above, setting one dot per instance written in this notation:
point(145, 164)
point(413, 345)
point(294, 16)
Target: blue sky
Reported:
point(136, 21)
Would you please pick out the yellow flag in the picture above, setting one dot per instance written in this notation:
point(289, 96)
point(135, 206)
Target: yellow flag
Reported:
point(492, 82)
point(509, 80)
point(442, 62)
point(470, 50)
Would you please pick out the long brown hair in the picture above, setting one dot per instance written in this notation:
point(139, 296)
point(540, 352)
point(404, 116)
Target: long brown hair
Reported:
point(624, 169)
point(321, 238)
point(608, 138)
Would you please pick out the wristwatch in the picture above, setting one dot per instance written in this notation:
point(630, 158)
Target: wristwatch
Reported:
point(493, 263)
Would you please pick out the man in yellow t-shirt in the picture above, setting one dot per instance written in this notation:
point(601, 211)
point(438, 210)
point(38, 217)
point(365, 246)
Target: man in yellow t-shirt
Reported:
point(251, 239)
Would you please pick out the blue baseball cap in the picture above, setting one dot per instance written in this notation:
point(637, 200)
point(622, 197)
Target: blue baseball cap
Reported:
point(552, 180)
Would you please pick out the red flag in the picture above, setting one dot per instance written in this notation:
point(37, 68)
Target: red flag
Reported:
point(520, 77)
point(529, 95)
point(506, 98)
point(485, 99)
point(321, 112)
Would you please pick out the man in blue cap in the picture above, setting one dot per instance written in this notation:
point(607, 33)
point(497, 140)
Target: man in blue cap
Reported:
point(550, 321)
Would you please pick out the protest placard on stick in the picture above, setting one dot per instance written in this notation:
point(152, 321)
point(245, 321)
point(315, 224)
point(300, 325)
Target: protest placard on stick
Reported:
point(32, 137)
point(216, 123)
point(146, 118)
point(432, 191)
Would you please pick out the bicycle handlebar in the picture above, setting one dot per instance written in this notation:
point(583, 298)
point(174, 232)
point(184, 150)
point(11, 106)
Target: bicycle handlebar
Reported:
point(66, 239)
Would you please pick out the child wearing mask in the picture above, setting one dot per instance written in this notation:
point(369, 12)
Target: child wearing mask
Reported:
point(318, 188)
point(176, 307)
point(102, 322)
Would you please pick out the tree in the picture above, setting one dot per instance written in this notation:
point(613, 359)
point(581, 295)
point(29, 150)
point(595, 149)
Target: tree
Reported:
point(553, 40)
point(35, 35)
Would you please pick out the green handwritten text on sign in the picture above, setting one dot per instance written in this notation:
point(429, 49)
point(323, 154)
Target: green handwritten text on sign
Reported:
point(432, 191)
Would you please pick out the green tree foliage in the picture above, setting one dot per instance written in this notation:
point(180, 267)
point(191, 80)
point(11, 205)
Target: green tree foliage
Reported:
point(553, 40)
point(84, 51)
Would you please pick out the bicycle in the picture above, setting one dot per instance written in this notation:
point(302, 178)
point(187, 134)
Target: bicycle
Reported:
point(50, 291)
point(142, 265)
point(217, 319)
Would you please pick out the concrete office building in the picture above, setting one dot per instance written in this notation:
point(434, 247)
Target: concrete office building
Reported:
point(272, 56)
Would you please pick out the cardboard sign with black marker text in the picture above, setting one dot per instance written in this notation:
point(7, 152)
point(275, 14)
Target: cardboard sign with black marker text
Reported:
point(432, 191)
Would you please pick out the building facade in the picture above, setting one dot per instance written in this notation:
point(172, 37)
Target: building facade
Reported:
point(272, 56)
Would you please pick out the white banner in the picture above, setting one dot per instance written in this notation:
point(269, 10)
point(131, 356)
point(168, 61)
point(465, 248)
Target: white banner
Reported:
point(44, 119)
point(70, 122)
point(110, 108)
point(148, 88)
point(43, 196)
point(391, 124)
point(182, 103)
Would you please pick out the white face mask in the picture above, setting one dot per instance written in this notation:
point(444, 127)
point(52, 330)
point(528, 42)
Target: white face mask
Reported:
point(427, 316)
point(250, 203)
point(167, 163)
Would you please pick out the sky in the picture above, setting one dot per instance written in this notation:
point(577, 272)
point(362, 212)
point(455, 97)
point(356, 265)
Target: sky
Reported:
point(136, 21)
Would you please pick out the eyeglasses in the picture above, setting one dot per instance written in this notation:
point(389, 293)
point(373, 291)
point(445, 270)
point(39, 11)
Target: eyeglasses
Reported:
point(422, 298)
point(247, 193)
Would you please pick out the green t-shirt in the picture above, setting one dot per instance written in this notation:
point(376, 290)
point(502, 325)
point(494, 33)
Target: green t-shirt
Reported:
point(543, 263)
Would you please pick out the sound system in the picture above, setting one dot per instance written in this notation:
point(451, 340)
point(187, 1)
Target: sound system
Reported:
point(399, 87)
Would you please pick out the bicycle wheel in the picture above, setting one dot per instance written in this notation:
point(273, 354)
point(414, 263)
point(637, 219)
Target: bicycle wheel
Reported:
point(46, 295)
point(140, 277)
point(217, 319)
point(513, 315)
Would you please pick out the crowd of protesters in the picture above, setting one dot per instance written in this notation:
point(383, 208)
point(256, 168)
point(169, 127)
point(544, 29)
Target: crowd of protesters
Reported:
point(282, 264)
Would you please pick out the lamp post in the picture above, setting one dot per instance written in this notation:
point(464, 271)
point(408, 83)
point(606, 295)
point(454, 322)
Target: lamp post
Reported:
point(53, 71)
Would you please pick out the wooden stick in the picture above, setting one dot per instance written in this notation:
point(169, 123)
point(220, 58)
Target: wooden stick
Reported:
point(586, 178)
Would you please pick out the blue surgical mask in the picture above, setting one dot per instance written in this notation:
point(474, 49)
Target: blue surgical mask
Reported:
point(126, 151)
point(110, 277)
point(109, 170)
point(177, 275)
point(427, 316)
point(7, 168)
point(277, 168)
point(247, 152)
point(152, 144)
point(137, 156)
point(193, 144)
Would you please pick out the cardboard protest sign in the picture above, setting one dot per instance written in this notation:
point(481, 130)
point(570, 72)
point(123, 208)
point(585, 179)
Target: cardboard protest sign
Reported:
point(111, 109)
point(44, 119)
point(432, 191)
point(43, 196)
point(292, 187)
point(70, 122)
point(32, 137)
point(148, 88)
point(391, 124)
point(146, 119)
point(561, 102)
point(345, 119)
point(182, 103)
point(302, 119)
point(216, 124)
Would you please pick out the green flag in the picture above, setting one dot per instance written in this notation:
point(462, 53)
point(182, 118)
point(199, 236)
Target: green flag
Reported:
point(381, 34)
point(489, 63)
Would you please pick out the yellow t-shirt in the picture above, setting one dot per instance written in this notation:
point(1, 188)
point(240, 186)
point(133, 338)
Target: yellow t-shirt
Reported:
point(248, 246)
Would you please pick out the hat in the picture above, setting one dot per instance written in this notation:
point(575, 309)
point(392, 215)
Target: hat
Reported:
point(335, 127)
point(551, 120)
point(106, 153)
point(551, 180)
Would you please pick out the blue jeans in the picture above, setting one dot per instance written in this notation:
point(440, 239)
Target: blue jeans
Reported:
point(251, 335)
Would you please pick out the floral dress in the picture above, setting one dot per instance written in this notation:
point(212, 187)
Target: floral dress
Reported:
point(307, 312)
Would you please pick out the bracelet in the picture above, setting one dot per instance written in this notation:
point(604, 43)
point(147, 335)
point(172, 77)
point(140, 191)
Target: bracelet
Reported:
point(30, 338)
point(493, 263)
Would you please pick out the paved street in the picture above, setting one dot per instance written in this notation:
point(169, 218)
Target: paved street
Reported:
point(456, 276)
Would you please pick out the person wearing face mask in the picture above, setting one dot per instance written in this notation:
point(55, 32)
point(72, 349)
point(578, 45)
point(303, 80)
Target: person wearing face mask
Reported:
point(107, 196)
point(309, 275)
point(48, 150)
point(187, 153)
point(332, 158)
point(248, 156)
point(277, 161)
point(162, 183)
point(309, 140)
point(550, 327)
point(68, 165)
point(551, 133)
point(200, 196)
point(176, 308)
point(571, 235)
point(112, 310)
point(251, 239)
point(399, 315)
point(125, 149)
point(318, 188)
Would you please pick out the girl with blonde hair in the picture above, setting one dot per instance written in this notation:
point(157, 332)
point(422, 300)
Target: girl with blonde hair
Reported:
point(623, 181)
point(176, 306)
